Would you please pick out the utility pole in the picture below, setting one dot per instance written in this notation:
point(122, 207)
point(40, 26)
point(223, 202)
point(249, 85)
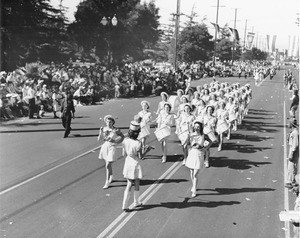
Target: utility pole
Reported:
point(245, 34)
point(297, 22)
point(233, 48)
point(176, 33)
point(216, 31)
point(215, 42)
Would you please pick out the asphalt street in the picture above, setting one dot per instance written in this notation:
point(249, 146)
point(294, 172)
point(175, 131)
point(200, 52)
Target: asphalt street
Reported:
point(52, 187)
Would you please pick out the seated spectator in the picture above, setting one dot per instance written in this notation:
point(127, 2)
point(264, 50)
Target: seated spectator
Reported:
point(89, 96)
point(15, 106)
point(4, 114)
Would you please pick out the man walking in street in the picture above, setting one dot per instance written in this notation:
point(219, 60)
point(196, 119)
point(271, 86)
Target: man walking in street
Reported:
point(67, 113)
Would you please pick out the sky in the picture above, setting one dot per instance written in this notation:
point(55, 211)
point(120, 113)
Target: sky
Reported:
point(264, 17)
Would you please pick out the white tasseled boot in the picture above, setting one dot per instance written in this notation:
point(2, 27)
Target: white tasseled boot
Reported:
point(136, 199)
point(193, 190)
point(126, 199)
point(111, 178)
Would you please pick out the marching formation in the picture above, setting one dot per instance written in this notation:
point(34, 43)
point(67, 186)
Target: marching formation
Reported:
point(200, 118)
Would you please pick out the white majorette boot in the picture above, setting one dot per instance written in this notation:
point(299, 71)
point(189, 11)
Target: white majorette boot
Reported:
point(136, 196)
point(125, 200)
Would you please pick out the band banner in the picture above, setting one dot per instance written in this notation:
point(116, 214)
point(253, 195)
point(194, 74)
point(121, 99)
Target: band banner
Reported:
point(235, 34)
point(216, 26)
point(250, 40)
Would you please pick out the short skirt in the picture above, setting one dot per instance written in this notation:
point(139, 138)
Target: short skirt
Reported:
point(132, 168)
point(108, 152)
point(195, 159)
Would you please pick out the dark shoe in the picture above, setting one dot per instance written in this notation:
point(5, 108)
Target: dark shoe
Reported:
point(288, 185)
point(38, 117)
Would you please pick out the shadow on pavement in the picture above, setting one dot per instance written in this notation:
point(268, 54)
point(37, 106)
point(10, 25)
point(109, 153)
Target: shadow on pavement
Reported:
point(240, 164)
point(226, 191)
point(241, 148)
point(259, 127)
point(145, 182)
point(253, 138)
point(260, 112)
point(196, 202)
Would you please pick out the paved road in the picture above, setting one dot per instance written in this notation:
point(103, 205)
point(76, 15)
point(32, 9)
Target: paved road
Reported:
point(52, 187)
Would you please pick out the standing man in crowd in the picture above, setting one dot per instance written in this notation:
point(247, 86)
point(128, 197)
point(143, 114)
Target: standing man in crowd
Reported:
point(294, 104)
point(293, 156)
point(67, 113)
point(31, 93)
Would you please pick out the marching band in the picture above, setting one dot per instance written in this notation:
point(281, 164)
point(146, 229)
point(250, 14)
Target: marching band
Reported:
point(200, 118)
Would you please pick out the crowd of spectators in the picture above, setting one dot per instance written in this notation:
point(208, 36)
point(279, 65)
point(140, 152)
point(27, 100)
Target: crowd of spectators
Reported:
point(93, 83)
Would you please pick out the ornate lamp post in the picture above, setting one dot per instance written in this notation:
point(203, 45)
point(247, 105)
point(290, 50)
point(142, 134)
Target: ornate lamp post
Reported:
point(107, 22)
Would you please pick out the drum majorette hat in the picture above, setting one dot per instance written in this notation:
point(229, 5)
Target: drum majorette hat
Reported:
point(109, 117)
point(135, 126)
point(197, 121)
point(188, 105)
point(164, 93)
point(185, 96)
point(196, 93)
point(169, 104)
point(210, 106)
point(180, 90)
point(146, 102)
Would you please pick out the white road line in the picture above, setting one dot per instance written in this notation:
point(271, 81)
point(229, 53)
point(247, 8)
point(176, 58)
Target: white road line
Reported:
point(119, 227)
point(51, 169)
point(175, 166)
point(47, 171)
point(286, 192)
point(260, 83)
point(170, 171)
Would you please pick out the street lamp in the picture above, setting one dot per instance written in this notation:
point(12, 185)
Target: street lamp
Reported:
point(106, 22)
point(114, 21)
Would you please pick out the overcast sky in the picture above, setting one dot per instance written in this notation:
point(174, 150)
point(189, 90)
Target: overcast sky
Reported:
point(264, 17)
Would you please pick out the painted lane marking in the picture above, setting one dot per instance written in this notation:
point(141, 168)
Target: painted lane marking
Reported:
point(166, 175)
point(286, 192)
point(175, 166)
point(47, 171)
point(19, 184)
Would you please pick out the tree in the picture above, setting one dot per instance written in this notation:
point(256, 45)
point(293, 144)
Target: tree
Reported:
point(254, 54)
point(32, 30)
point(258, 54)
point(136, 28)
point(195, 43)
point(225, 46)
point(224, 49)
